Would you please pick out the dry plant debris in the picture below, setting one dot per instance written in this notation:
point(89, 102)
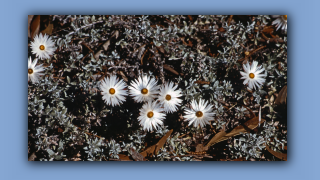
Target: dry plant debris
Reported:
point(71, 117)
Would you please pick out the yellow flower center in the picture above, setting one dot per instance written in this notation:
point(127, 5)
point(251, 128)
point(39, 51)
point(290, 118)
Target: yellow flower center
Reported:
point(144, 91)
point(41, 47)
point(150, 114)
point(285, 17)
point(168, 97)
point(30, 71)
point(112, 91)
point(199, 114)
point(246, 53)
point(251, 75)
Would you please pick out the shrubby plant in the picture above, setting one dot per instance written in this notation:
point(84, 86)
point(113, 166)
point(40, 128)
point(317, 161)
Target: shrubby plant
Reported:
point(157, 88)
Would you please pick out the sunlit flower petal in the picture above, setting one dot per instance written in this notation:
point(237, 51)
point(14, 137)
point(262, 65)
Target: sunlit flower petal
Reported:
point(113, 90)
point(252, 75)
point(151, 116)
point(199, 114)
point(43, 46)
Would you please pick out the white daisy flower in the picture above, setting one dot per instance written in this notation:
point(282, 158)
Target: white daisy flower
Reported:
point(113, 90)
point(252, 75)
point(151, 116)
point(42, 46)
point(280, 22)
point(169, 97)
point(144, 89)
point(200, 114)
point(34, 71)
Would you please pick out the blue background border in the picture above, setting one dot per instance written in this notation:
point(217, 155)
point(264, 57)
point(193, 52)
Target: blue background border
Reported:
point(303, 89)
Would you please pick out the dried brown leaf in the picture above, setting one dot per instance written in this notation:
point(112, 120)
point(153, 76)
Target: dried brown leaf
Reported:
point(202, 82)
point(229, 20)
point(218, 136)
point(30, 17)
point(144, 53)
point(254, 122)
point(201, 148)
point(163, 140)
point(76, 157)
point(268, 29)
point(136, 156)
point(35, 26)
point(106, 45)
point(140, 50)
point(282, 97)
point(60, 130)
point(279, 155)
point(155, 148)
point(166, 67)
point(115, 34)
point(239, 159)
point(124, 157)
point(190, 44)
point(32, 157)
point(246, 127)
point(48, 30)
point(124, 77)
point(161, 49)
point(249, 125)
point(97, 54)
point(221, 29)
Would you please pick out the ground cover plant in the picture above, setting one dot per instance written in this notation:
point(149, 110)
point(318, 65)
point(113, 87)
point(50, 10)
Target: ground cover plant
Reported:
point(157, 88)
